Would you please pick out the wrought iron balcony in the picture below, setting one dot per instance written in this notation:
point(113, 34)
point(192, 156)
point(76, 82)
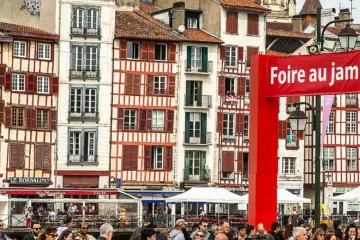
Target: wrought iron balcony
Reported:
point(197, 140)
point(82, 160)
point(196, 175)
point(86, 32)
point(204, 103)
point(199, 66)
point(84, 117)
point(84, 74)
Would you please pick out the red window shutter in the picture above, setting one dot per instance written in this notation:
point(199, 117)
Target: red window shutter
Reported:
point(136, 86)
point(150, 84)
point(144, 51)
point(221, 90)
point(33, 121)
point(230, 22)
point(220, 122)
point(30, 80)
point(142, 119)
point(134, 158)
point(8, 81)
point(300, 135)
point(46, 157)
point(253, 24)
point(2, 111)
point(240, 119)
point(148, 122)
point(240, 54)
point(129, 84)
point(151, 51)
point(169, 158)
point(126, 157)
point(222, 52)
point(121, 118)
point(282, 129)
point(292, 99)
point(53, 121)
point(251, 51)
point(235, 22)
point(172, 52)
point(170, 120)
point(38, 156)
point(147, 157)
point(123, 49)
point(241, 86)
point(227, 161)
point(2, 74)
point(55, 85)
point(172, 86)
point(240, 161)
point(7, 117)
point(28, 112)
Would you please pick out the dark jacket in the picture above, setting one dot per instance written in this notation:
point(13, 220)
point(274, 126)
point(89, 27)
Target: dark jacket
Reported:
point(338, 233)
point(211, 237)
point(101, 238)
point(160, 237)
point(4, 236)
point(275, 236)
point(186, 234)
point(29, 237)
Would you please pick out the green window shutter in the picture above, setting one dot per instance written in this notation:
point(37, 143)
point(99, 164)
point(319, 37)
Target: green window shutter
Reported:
point(187, 165)
point(188, 59)
point(187, 127)
point(199, 96)
point(202, 165)
point(204, 59)
point(203, 128)
point(188, 98)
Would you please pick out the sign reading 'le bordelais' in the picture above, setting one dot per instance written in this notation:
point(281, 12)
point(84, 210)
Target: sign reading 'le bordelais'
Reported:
point(29, 180)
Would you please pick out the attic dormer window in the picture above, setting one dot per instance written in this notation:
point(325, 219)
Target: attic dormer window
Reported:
point(192, 22)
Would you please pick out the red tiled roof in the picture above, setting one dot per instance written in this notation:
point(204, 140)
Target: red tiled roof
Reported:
point(243, 5)
point(196, 35)
point(152, 19)
point(147, 8)
point(288, 34)
point(24, 31)
point(337, 30)
point(274, 53)
point(279, 26)
point(310, 7)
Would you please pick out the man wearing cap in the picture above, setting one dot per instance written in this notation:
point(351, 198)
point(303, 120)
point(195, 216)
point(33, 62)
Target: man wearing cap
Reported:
point(177, 232)
point(66, 224)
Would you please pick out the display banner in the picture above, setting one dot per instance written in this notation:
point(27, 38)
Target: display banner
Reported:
point(313, 74)
point(328, 102)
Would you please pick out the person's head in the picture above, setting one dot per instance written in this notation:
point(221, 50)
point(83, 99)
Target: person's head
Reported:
point(226, 227)
point(1, 226)
point(148, 221)
point(330, 237)
point(179, 224)
point(275, 226)
point(221, 236)
point(84, 228)
point(330, 230)
point(260, 228)
point(67, 221)
point(324, 226)
point(148, 234)
point(233, 234)
point(319, 234)
point(299, 233)
point(337, 224)
point(77, 236)
point(200, 235)
point(106, 231)
point(50, 233)
point(288, 231)
point(165, 233)
point(203, 225)
point(65, 235)
point(301, 223)
point(35, 228)
point(242, 230)
point(351, 231)
point(250, 229)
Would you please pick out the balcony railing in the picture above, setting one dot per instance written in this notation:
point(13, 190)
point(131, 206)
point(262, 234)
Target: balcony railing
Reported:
point(199, 66)
point(86, 32)
point(85, 74)
point(84, 116)
point(196, 174)
point(82, 160)
point(198, 140)
point(351, 102)
point(232, 100)
point(205, 102)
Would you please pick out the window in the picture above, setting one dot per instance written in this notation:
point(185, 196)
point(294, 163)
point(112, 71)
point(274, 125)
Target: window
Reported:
point(129, 158)
point(91, 63)
point(288, 166)
point(42, 84)
point(78, 18)
point(130, 121)
point(196, 58)
point(44, 51)
point(158, 158)
point(195, 169)
point(329, 158)
point(351, 99)
point(330, 128)
point(82, 145)
point(19, 49)
point(132, 84)
point(84, 57)
point(133, 50)
point(351, 122)
point(232, 22)
point(160, 52)
point(160, 83)
point(195, 130)
point(42, 118)
point(42, 157)
point(253, 24)
point(194, 95)
point(158, 120)
point(246, 125)
point(18, 82)
point(351, 159)
point(83, 103)
point(230, 86)
point(192, 22)
point(231, 56)
point(74, 151)
point(247, 91)
point(17, 155)
point(291, 138)
point(229, 127)
point(17, 117)
point(85, 20)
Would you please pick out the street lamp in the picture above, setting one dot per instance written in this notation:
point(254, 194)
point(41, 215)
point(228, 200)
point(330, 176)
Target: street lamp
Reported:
point(348, 37)
point(297, 119)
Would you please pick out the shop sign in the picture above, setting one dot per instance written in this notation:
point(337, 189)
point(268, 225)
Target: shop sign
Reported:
point(29, 180)
point(237, 189)
point(154, 187)
point(342, 190)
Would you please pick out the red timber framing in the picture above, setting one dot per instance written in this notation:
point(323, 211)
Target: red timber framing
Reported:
point(133, 147)
point(234, 75)
point(29, 115)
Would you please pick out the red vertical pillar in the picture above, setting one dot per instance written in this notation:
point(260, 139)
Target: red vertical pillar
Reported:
point(263, 147)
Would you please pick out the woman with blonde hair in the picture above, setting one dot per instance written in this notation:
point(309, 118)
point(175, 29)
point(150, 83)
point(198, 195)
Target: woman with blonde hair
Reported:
point(319, 234)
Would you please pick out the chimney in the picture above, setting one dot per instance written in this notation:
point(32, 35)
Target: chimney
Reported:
point(178, 15)
point(343, 15)
point(337, 24)
point(297, 24)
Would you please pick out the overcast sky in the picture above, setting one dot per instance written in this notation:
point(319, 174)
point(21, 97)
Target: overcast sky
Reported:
point(335, 4)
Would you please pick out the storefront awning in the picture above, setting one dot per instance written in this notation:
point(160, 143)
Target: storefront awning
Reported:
point(57, 191)
point(152, 201)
